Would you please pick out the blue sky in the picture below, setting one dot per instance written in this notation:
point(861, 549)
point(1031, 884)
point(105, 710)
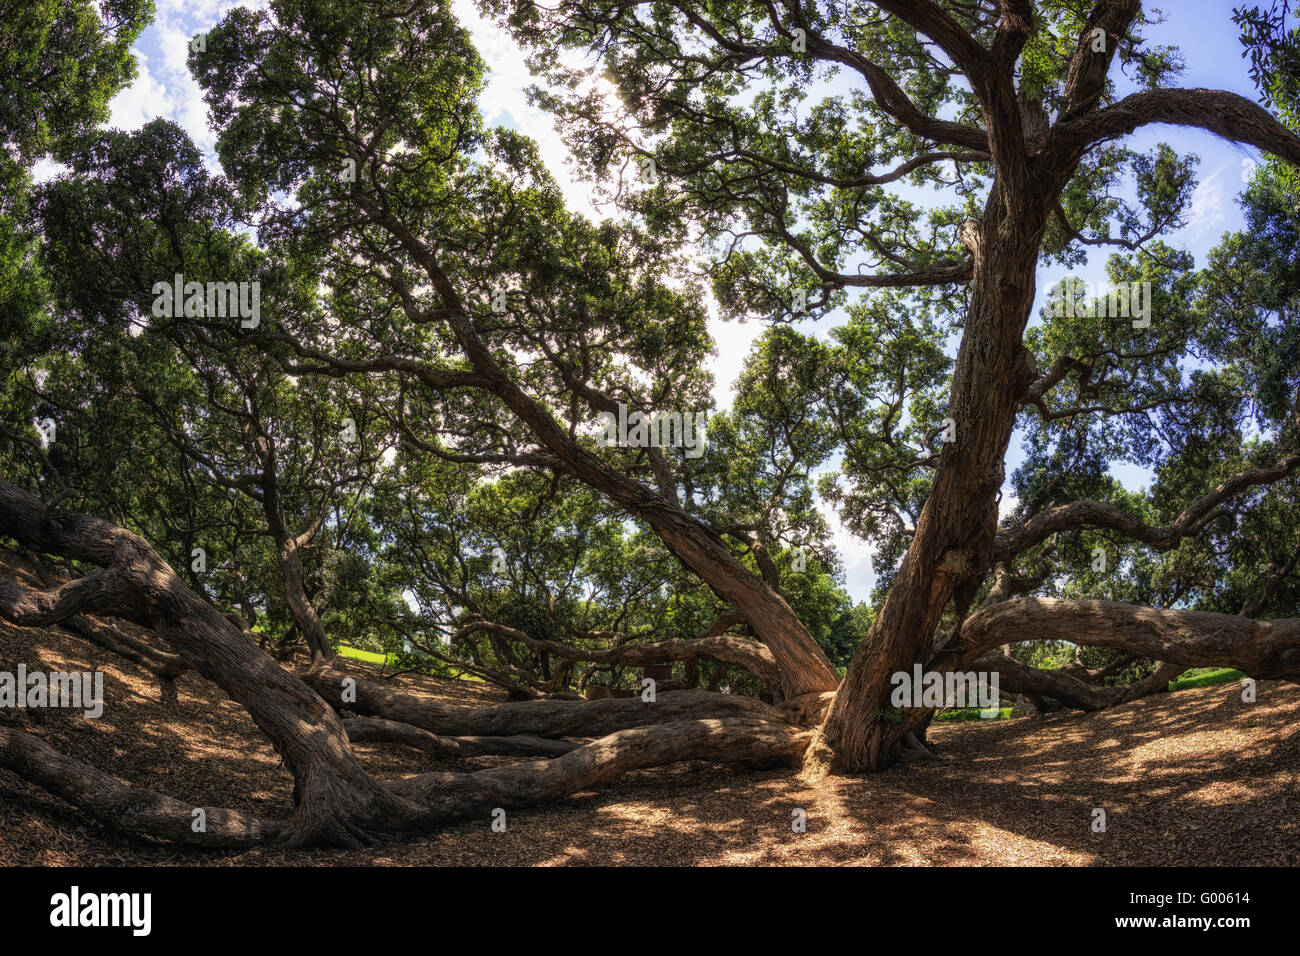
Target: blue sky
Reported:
point(1202, 29)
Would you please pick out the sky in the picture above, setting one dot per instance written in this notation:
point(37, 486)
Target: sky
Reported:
point(1201, 29)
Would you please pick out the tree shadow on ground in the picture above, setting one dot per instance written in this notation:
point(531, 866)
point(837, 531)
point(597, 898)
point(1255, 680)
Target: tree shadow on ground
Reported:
point(1195, 777)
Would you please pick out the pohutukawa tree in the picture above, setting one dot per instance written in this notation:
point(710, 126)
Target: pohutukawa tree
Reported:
point(794, 126)
point(423, 280)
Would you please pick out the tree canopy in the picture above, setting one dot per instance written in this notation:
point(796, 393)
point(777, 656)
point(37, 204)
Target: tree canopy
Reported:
point(363, 379)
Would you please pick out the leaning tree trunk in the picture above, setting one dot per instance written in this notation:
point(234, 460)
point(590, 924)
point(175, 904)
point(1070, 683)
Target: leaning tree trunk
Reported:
point(288, 550)
point(952, 549)
point(300, 605)
point(804, 666)
point(338, 801)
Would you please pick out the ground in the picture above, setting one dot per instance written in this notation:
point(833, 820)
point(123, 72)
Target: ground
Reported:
point(1193, 777)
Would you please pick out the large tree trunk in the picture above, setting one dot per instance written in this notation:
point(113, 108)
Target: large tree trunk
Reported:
point(338, 802)
point(1268, 650)
point(805, 668)
point(952, 549)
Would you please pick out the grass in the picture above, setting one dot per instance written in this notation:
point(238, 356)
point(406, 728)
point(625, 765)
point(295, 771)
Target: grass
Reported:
point(370, 657)
point(1197, 677)
point(959, 714)
point(1205, 676)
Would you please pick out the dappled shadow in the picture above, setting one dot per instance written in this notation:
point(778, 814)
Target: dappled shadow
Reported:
point(1195, 777)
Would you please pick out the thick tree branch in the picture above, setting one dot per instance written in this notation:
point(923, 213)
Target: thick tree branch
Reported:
point(737, 652)
point(1262, 649)
point(124, 807)
point(1100, 514)
point(1225, 114)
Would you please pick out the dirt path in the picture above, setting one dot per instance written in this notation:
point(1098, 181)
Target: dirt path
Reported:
point(1196, 777)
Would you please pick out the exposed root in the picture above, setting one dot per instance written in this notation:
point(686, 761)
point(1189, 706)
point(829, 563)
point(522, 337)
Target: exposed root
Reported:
point(119, 805)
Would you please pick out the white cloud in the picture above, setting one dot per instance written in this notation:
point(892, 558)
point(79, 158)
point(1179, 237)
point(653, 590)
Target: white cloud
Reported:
point(734, 341)
point(504, 103)
point(138, 103)
point(46, 169)
point(1208, 204)
point(857, 555)
point(855, 552)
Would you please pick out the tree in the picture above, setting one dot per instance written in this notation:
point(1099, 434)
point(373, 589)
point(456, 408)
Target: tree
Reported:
point(1018, 100)
point(469, 264)
point(421, 273)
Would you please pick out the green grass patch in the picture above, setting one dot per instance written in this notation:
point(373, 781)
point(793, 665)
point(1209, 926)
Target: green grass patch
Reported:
point(959, 714)
point(370, 657)
point(1204, 677)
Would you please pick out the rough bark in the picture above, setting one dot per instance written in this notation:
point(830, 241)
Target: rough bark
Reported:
point(338, 801)
point(542, 718)
point(163, 664)
point(377, 730)
point(450, 796)
point(953, 546)
point(426, 800)
point(952, 549)
point(124, 807)
point(1269, 650)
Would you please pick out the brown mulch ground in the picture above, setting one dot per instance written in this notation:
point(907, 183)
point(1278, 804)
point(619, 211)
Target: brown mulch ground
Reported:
point(1195, 777)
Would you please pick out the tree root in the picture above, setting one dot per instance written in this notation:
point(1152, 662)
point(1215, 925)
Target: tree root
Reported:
point(134, 809)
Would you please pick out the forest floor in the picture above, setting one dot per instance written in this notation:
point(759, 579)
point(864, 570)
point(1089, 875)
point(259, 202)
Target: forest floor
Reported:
point(1193, 777)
